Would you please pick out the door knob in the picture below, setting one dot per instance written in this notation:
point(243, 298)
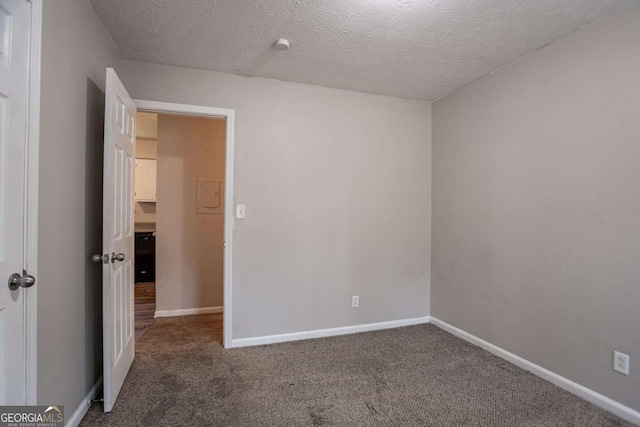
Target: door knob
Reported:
point(25, 281)
point(117, 257)
point(99, 258)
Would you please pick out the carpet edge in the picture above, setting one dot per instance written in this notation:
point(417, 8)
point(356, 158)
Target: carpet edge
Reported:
point(600, 400)
point(328, 332)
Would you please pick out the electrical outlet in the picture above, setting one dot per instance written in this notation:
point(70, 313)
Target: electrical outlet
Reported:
point(355, 301)
point(621, 362)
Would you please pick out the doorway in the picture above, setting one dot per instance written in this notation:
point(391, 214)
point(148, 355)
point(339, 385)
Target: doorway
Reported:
point(145, 221)
point(181, 215)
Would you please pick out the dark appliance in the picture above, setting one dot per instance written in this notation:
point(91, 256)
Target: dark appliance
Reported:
point(145, 257)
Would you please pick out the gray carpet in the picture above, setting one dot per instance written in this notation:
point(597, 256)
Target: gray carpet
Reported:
point(412, 376)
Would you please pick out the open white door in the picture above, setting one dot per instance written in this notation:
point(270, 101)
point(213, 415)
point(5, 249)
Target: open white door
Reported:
point(118, 237)
point(15, 17)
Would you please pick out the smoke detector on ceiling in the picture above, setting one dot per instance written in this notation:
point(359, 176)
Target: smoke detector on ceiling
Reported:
point(282, 44)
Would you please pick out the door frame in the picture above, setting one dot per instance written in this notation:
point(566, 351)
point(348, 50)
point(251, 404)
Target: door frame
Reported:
point(229, 218)
point(31, 201)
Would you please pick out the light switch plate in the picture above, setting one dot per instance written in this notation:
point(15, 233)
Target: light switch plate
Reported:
point(240, 212)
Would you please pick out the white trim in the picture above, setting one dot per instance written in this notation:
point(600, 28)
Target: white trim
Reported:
point(183, 109)
point(188, 311)
point(84, 405)
point(587, 394)
point(330, 332)
point(228, 230)
point(31, 202)
point(229, 115)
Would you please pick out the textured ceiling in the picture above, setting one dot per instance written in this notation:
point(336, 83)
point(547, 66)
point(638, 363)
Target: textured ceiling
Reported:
point(419, 49)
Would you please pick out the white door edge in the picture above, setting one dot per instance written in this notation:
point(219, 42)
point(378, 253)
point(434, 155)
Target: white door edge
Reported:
point(31, 202)
point(229, 115)
point(118, 237)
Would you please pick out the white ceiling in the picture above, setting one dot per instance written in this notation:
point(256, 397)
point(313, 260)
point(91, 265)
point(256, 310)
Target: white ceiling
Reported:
point(419, 49)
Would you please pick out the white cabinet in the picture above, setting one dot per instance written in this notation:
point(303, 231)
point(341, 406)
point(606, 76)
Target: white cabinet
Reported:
point(145, 180)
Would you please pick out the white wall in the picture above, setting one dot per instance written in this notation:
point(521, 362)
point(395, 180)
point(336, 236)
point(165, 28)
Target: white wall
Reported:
point(189, 245)
point(536, 211)
point(337, 189)
point(76, 51)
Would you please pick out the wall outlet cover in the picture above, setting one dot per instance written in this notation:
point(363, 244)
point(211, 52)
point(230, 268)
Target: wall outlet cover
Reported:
point(621, 362)
point(355, 301)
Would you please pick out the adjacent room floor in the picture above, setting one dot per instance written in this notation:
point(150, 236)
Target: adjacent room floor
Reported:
point(417, 375)
point(144, 307)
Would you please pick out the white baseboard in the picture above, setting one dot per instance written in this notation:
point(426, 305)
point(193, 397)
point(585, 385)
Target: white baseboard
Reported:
point(321, 333)
point(188, 311)
point(84, 406)
point(587, 394)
